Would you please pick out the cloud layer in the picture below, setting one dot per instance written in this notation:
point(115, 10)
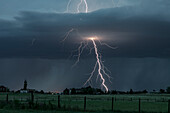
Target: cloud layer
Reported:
point(31, 48)
point(138, 32)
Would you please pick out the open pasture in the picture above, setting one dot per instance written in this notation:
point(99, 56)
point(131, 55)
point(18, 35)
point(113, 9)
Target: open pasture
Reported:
point(94, 103)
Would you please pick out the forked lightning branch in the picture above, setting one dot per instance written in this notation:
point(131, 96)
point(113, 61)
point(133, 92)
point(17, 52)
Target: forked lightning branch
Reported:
point(99, 67)
point(102, 71)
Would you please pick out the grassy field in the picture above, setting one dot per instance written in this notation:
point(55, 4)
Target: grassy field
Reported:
point(38, 111)
point(95, 103)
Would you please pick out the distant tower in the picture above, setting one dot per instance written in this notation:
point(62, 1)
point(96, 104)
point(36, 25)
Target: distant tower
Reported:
point(25, 85)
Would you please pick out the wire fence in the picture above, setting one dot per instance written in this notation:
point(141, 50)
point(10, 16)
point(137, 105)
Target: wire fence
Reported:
point(88, 103)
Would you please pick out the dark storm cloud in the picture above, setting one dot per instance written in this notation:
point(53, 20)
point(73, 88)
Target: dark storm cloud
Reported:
point(139, 31)
point(140, 28)
point(52, 75)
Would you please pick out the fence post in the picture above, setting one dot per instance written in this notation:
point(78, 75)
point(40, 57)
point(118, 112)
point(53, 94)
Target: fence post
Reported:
point(139, 105)
point(85, 103)
point(7, 98)
point(59, 101)
point(32, 97)
point(112, 103)
point(169, 106)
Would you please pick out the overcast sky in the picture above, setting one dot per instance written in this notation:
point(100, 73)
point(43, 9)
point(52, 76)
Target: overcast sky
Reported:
point(31, 32)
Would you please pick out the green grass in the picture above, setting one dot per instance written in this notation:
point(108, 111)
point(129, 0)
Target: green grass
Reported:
point(38, 111)
point(95, 103)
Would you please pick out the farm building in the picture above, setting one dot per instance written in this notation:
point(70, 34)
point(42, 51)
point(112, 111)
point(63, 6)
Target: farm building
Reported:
point(3, 89)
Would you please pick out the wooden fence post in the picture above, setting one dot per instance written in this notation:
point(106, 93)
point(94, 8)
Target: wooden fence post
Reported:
point(169, 106)
point(139, 105)
point(32, 97)
point(59, 101)
point(112, 103)
point(7, 98)
point(85, 103)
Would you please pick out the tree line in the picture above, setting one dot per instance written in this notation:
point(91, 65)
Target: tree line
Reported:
point(96, 91)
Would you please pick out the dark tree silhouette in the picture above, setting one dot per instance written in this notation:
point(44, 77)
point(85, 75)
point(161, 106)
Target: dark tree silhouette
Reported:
point(66, 92)
point(42, 92)
point(161, 91)
point(114, 92)
point(145, 91)
point(131, 91)
point(73, 91)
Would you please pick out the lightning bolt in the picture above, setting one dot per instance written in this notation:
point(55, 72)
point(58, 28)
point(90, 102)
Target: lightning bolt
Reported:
point(78, 6)
point(84, 2)
point(99, 66)
point(86, 6)
point(69, 2)
point(80, 50)
point(68, 33)
point(101, 43)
